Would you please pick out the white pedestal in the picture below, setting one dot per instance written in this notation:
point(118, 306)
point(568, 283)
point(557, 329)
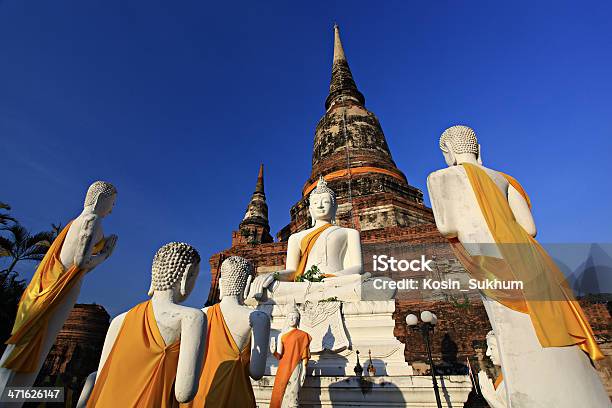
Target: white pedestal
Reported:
point(368, 326)
point(384, 391)
point(331, 381)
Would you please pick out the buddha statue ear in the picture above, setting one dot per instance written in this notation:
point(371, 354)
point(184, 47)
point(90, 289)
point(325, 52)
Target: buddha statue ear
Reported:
point(220, 288)
point(452, 160)
point(185, 278)
point(312, 218)
point(247, 287)
point(479, 156)
point(151, 290)
point(333, 214)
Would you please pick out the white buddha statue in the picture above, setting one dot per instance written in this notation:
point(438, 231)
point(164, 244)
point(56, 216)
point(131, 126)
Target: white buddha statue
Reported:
point(159, 340)
point(293, 352)
point(238, 340)
point(543, 336)
point(494, 393)
point(55, 287)
point(334, 250)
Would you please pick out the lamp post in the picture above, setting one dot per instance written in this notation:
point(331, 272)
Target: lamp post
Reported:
point(429, 320)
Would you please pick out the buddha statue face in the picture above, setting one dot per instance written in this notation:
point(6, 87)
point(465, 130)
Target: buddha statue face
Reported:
point(101, 197)
point(459, 140)
point(492, 349)
point(322, 203)
point(293, 319)
point(175, 267)
point(322, 207)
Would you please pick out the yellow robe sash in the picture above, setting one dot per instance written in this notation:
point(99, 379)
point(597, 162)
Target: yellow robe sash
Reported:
point(140, 369)
point(296, 347)
point(306, 246)
point(556, 316)
point(224, 381)
point(44, 293)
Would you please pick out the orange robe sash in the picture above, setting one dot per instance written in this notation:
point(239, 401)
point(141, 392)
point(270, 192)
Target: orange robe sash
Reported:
point(140, 369)
point(498, 381)
point(224, 382)
point(296, 347)
point(44, 293)
point(306, 246)
point(556, 316)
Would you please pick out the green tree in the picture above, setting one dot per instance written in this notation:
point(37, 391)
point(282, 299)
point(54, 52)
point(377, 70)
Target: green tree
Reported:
point(10, 294)
point(4, 217)
point(16, 246)
point(20, 245)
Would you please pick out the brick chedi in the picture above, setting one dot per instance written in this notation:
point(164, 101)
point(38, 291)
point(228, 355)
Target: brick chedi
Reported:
point(254, 228)
point(351, 152)
point(76, 351)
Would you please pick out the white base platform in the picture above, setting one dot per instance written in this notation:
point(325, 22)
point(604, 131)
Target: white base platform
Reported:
point(380, 391)
point(363, 326)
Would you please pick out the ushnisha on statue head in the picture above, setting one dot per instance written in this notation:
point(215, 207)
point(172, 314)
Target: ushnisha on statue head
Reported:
point(457, 142)
point(100, 198)
point(322, 203)
point(175, 267)
point(493, 349)
point(235, 279)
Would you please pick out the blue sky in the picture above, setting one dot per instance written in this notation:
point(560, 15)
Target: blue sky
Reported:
point(177, 103)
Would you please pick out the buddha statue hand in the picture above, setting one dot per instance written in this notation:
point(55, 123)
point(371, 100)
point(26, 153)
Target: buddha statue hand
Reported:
point(259, 284)
point(488, 391)
point(303, 373)
point(106, 251)
point(272, 345)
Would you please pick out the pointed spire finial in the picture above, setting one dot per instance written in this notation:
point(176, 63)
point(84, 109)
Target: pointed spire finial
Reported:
point(342, 85)
point(255, 221)
point(338, 50)
point(259, 188)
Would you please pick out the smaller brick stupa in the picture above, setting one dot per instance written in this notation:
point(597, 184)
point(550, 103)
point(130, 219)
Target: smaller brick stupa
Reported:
point(76, 352)
point(254, 228)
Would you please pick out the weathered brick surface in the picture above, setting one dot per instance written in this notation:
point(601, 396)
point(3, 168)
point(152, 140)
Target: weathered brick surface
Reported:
point(77, 349)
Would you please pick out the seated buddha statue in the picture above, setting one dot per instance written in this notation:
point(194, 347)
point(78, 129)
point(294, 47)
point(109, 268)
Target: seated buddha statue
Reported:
point(335, 251)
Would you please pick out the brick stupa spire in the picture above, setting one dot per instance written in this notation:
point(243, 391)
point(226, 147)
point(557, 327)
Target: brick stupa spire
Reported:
point(255, 228)
point(342, 84)
point(351, 152)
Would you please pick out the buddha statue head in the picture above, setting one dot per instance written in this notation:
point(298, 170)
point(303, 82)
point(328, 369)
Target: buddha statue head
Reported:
point(457, 142)
point(235, 279)
point(293, 316)
point(492, 349)
point(175, 267)
point(322, 203)
point(101, 198)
